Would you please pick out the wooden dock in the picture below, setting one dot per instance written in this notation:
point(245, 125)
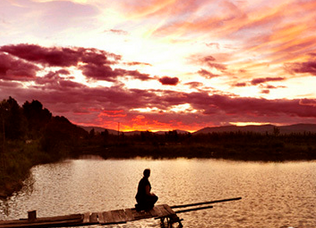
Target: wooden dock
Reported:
point(161, 212)
point(164, 212)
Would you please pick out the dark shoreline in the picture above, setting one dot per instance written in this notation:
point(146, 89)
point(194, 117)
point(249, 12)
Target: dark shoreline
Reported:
point(233, 147)
point(202, 151)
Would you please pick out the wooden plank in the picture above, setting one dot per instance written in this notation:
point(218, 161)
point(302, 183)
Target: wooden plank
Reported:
point(162, 211)
point(86, 217)
point(25, 223)
point(159, 211)
point(31, 215)
point(70, 218)
point(154, 212)
point(167, 207)
point(101, 218)
point(129, 214)
point(94, 218)
point(107, 218)
point(119, 216)
point(141, 215)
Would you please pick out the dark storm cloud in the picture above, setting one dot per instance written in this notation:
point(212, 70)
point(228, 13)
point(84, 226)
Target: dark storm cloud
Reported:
point(169, 80)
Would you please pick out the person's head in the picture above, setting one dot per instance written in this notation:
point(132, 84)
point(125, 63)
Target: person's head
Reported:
point(146, 173)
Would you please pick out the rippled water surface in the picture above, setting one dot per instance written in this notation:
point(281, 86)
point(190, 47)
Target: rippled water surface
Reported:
point(274, 194)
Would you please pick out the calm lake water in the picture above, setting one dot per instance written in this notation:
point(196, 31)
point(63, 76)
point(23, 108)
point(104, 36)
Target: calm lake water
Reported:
point(274, 194)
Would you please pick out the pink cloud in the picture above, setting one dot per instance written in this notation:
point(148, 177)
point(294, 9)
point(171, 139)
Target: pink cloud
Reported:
point(206, 73)
point(138, 63)
point(194, 84)
point(117, 31)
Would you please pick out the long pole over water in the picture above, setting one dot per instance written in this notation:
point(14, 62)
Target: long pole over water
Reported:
point(203, 203)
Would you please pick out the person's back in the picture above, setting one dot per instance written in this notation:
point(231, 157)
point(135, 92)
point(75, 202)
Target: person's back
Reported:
point(144, 197)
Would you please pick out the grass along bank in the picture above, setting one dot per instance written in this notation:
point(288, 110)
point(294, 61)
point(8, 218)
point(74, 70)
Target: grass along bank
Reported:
point(17, 159)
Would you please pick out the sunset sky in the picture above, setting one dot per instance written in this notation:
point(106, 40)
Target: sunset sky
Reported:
point(162, 64)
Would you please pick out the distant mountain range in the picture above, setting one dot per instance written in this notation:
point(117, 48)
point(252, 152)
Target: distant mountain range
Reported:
point(295, 128)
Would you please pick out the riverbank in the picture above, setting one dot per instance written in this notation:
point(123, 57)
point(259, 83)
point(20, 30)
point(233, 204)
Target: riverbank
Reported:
point(16, 161)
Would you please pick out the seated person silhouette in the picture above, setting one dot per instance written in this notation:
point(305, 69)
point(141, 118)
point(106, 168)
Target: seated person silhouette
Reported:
point(145, 199)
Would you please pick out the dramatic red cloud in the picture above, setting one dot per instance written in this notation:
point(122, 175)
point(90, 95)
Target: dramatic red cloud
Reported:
point(12, 69)
point(308, 67)
point(94, 63)
point(169, 81)
point(56, 56)
point(50, 71)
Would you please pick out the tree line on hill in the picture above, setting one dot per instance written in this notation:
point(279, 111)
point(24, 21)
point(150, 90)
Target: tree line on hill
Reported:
point(33, 123)
point(31, 135)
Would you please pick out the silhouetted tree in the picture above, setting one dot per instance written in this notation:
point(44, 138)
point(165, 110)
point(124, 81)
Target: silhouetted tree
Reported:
point(37, 117)
point(276, 131)
point(105, 135)
point(92, 133)
point(13, 121)
point(172, 136)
